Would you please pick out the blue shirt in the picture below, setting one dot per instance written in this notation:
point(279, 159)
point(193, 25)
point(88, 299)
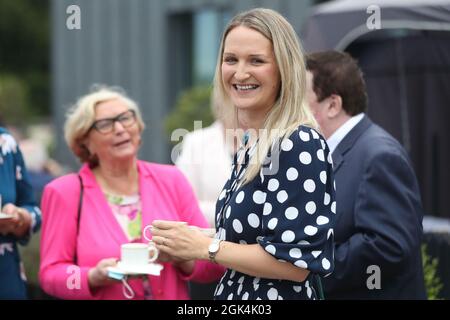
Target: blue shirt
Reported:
point(15, 188)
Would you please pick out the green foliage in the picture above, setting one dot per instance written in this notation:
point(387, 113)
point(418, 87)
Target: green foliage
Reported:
point(25, 49)
point(13, 100)
point(433, 284)
point(192, 105)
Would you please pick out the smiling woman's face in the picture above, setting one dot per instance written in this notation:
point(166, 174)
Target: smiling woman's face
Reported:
point(122, 143)
point(250, 72)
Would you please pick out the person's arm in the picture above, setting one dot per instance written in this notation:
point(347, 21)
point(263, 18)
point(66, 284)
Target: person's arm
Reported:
point(252, 259)
point(58, 274)
point(387, 219)
point(26, 216)
point(189, 211)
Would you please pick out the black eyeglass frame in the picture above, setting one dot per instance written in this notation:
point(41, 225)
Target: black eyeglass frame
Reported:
point(111, 121)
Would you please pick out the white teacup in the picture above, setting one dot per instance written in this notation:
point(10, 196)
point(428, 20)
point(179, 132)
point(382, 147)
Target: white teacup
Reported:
point(138, 254)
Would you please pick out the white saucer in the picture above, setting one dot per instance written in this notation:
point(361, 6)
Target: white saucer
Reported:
point(5, 215)
point(153, 269)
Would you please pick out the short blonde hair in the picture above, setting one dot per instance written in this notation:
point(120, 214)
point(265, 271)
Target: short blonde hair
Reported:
point(81, 116)
point(290, 109)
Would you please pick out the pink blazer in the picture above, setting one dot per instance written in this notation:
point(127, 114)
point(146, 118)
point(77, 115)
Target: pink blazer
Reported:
point(165, 195)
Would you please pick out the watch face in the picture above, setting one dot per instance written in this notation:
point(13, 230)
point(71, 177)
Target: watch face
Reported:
point(214, 247)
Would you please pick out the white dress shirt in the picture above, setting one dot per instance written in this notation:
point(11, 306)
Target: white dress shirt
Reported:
point(336, 138)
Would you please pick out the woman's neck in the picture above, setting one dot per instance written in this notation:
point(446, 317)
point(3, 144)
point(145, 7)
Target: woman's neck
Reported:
point(120, 180)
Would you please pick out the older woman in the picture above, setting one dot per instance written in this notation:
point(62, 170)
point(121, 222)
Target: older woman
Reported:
point(82, 236)
point(275, 215)
point(19, 217)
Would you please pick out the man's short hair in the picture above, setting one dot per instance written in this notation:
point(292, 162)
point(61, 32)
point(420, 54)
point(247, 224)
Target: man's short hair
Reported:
point(338, 73)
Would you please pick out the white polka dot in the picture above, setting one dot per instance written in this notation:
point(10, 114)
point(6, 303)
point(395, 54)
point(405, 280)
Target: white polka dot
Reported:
point(310, 230)
point(219, 292)
point(326, 263)
point(330, 233)
point(245, 296)
point(272, 294)
point(271, 249)
point(333, 207)
point(259, 197)
point(320, 155)
point(314, 134)
point(321, 220)
point(309, 292)
point(240, 197)
point(310, 207)
point(255, 281)
point(242, 242)
point(330, 158)
point(316, 253)
point(228, 212)
point(288, 236)
point(322, 143)
point(304, 136)
point(230, 283)
point(253, 220)
point(309, 185)
point(241, 279)
point(272, 224)
point(222, 194)
point(292, 174)
point(334, 185)
point(305, 157)
point(323, 177)
point(237, 226)
point(301, 264)
point(304, 242)
point(267, 208)
point(239, 289)
point(230, 296)
point(282, 196)
point(295, 253)
point(326, 199)
point(261, 175)
point(273, 185)
point(286, 145)
point(232, 274)
point(297, 288)
point(291, 213)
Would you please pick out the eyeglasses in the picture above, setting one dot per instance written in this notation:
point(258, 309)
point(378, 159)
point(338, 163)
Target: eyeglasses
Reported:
point(126, 119)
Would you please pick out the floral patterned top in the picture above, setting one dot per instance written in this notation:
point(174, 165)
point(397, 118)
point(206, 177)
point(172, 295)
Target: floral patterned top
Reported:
point(15, 188)
point(127, 210)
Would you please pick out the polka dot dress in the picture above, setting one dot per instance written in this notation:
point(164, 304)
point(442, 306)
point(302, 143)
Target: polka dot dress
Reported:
point(288, 209)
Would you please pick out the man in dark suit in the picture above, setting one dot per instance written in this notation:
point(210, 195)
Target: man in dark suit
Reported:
point(379, 213)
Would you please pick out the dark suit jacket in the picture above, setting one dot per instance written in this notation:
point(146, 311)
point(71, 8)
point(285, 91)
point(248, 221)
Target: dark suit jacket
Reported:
point(379, 218)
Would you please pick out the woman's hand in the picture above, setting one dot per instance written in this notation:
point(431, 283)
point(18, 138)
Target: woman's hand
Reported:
point(98, 276)
point(18, 224)
point(179, 241)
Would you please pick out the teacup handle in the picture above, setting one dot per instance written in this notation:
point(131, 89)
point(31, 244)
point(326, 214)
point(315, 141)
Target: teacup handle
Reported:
point(152, 248)
point(145, 231)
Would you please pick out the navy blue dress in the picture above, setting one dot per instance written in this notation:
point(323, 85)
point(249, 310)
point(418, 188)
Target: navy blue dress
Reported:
point(288, 209)
point(16, 189)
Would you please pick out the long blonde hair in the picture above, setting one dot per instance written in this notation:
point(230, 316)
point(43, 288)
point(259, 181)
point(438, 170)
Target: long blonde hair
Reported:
point(290, 109)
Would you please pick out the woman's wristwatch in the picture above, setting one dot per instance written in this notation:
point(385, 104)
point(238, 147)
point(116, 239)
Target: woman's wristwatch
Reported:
point(213, 249)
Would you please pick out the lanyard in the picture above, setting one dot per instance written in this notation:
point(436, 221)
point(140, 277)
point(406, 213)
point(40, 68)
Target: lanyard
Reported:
point(235, 178)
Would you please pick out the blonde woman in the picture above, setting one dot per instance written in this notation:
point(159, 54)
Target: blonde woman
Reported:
point(275, 215)
point(82, 235)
